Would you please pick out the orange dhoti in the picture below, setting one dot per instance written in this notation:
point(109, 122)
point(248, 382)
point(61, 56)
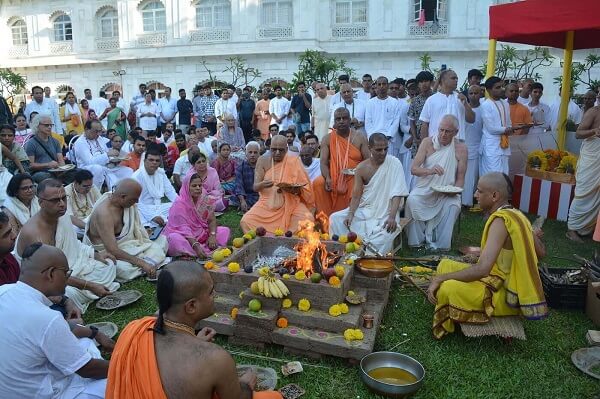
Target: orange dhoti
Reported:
point(277, 209)
point(342, 155)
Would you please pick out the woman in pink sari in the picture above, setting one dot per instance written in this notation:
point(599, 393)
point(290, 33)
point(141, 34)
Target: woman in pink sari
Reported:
point(210, 180)
point(192, 227)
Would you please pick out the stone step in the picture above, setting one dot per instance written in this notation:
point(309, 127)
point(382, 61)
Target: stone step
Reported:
point(267, 303)
point(224, 302)
point(222, 323)
point(264, 319)
point(320, 319)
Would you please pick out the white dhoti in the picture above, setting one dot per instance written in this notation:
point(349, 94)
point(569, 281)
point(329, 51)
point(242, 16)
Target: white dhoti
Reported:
point(85, 388)
point(584, 209)
point(433, 214)
point(150, 211)
point(374, 208)
point(98, 172)
point(471, 178)
point(134, 240)
point(82, 262)
point(116, 174)
point(493, 163)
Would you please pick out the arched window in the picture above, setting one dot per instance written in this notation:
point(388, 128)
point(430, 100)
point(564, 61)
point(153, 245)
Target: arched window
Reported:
point(158, 87)
point(153, 17)
point(109, 88)
point(63, 30)
point(108, 24)
point(19, 32)
point(62, 90)
point(276, 12)
point(213, 14)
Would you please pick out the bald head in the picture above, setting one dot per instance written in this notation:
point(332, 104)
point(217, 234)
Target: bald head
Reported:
point(180, 281)
point(128, 186)
point(37, 257)
point(279, 139)
point(497, 182)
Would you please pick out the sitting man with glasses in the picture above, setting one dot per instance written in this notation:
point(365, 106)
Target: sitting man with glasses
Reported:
point(41, 356)
point(93, 272)
point(284, 189)
point(82, 195)
point(44, 151)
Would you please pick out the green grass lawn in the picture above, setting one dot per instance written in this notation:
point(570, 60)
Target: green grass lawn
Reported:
point(456, 367)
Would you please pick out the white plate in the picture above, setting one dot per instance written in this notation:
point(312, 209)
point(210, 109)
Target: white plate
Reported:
point(447, 189)
point(63, 168)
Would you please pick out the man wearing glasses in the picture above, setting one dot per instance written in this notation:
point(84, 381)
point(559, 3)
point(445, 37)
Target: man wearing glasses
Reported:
point(93, 275)
point(41, 356)
point(285, 193)
point(43, 150)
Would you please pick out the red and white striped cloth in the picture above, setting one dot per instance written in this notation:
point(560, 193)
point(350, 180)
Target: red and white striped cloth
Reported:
point(542, 197)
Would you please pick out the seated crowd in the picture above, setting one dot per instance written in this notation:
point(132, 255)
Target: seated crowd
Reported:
point(135, 199)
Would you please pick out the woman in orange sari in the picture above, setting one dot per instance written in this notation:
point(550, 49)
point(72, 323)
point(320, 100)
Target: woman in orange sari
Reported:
point(72, 114)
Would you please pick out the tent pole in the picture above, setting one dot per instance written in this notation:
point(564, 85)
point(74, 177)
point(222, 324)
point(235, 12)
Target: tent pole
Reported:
point(491, 60)
point(565, 93)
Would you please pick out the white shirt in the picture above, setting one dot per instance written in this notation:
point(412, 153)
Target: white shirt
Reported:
point(182, 165)
point(314, 169)
point(225, 106)
point(40, 355)
point(206, 146)
point(496, 118)
point(436, 106)
point(382, 116)
point(123, 105)
point(363, 95)
point(91, 152)
point(99, 105)
point(145, 197)
point(168, 107)
point(147, 122)
point(336, 98)
point(280, 107)
point(473, 132)
point(574, 113)
point(540, 114)
point(127, 147)
point(48, 106)
point(524, 100)
point(357, 110)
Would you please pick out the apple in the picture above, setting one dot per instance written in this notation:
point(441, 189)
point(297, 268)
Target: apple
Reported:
point(289, 233)
point(261, 231)
point(329, 272)
point(352, 236)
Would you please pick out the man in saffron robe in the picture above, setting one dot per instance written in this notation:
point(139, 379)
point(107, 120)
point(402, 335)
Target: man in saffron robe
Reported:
point(285, 193)
point(141, 365)
point(505, 281)
point(341, 149)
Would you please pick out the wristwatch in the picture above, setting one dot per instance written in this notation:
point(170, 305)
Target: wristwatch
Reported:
point(63, 301)
point(94, 332)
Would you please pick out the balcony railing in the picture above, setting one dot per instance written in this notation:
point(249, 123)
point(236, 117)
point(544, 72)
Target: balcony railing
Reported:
point(65, 47)
point(349, 31)
point(275, 32)
point(152, 39)
point(430, 29)
point(210, 35)
point(18, 51)
point(104, 44)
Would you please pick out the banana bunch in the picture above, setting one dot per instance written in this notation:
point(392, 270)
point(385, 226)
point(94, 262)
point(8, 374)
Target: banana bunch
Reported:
point(270, 286)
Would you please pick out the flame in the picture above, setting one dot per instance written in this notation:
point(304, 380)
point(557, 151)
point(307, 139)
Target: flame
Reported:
point(312, 243)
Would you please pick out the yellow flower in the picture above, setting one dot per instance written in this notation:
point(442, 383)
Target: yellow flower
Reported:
point(358, 334)
point(344, 308)
point(304, 305)
point(234, 313)
point(334, 280)
point(568, 164)
point(353, 334)
point(278, 232)
point(286, 304)
point(537, 159)
point(233, 267)
point(335, 311)
point(339, 271)
point(358, 241)
point(349, 334)
point(349, 261)
point(325, 236)
point(286, 276)
point(343, 239)
point(300, 275)
point(226, 251)
point(350, 293)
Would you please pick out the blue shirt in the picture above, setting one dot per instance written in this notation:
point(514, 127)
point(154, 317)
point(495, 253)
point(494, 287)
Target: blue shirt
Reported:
point(244, 183)
point(300, 108)
point(185, 108)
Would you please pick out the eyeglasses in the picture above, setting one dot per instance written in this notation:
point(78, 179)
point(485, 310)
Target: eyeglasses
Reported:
point(47, 124)
point(27, 188)
point(55, 200)
point(67, 272)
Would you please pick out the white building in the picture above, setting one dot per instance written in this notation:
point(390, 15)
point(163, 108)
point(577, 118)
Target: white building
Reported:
point(109, 44)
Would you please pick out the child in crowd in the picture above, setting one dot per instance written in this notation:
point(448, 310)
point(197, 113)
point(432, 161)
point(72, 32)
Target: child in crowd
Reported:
point(225, 167)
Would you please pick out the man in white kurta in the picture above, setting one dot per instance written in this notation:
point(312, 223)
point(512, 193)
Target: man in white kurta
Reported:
point(445, 102)
point(377, 198)
point(311, 165)
point(382, 114)
point(225, 105)
point(494, 150)
point(584, 209)
point(399, 142)
point(440, 161)
point(473, 132)
point(92, 153)
point(155, 186)
point(279, 108)
point(574, 113)
point(321, 111)
point(357, 109)
point(115, 227)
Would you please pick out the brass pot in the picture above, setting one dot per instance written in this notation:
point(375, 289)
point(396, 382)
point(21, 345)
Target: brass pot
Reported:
point(374, 267)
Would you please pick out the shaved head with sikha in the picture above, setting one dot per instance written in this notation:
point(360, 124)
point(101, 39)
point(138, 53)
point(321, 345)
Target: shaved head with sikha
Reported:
point(497, 182)
point(45, 268)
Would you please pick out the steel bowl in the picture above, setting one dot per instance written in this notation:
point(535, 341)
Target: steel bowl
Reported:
point(391, 359)
point(374, 267)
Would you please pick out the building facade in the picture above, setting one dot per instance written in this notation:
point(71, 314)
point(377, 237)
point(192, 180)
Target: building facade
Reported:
point(118, 44)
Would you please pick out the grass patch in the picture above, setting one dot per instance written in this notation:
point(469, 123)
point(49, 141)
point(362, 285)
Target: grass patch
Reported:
point(456, 367)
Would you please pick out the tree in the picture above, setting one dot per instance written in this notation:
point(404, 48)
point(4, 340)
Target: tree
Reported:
point(314, 66)
point(11, 84)
point(239, 72)
point(520, 64)
point(581, 73)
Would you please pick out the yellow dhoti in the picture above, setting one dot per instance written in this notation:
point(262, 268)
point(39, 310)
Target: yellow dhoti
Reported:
point(512, 288)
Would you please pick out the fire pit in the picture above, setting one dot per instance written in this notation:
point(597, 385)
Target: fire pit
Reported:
point(316, 331)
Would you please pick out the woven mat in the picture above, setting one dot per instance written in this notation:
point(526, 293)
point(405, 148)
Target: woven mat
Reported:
point(505, 327)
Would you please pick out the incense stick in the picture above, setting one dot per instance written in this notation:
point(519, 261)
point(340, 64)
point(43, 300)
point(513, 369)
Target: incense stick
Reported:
point(274, 359)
